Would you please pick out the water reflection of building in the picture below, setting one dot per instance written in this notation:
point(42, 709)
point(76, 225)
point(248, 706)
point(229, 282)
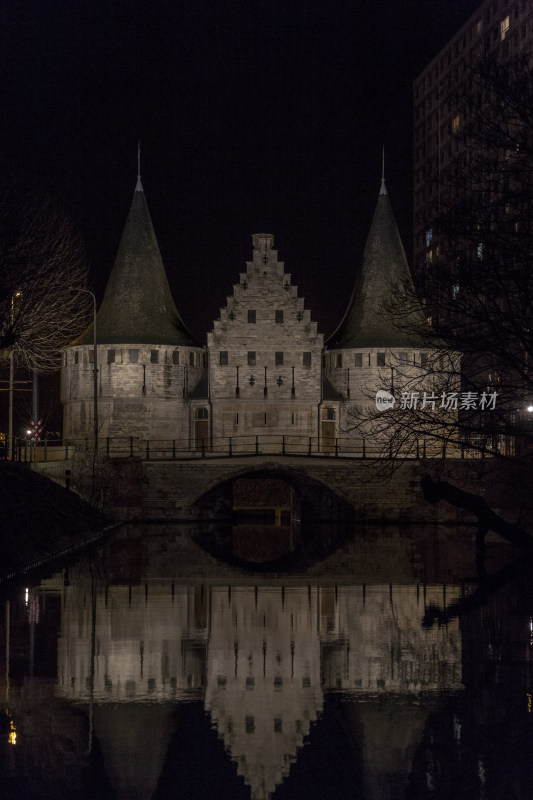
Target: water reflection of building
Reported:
point(264, 685)
point(262, 658)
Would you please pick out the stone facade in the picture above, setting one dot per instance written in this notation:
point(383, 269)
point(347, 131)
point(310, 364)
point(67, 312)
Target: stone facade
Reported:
point(265, 357)
point(266, 375)
point(142, 390)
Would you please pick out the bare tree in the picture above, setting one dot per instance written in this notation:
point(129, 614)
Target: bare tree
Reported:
point(42, 267)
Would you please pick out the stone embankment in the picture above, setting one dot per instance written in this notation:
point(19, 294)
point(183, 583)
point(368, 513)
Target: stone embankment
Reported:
point(40, 520)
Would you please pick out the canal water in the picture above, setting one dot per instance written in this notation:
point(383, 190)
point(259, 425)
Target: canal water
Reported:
point(394, 666)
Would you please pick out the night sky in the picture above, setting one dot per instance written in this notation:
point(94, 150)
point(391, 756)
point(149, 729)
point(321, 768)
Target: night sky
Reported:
point(253, 115)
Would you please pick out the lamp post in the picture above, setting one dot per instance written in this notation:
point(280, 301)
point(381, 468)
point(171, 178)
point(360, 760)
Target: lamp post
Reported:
point(11, 382)
point(95, 365)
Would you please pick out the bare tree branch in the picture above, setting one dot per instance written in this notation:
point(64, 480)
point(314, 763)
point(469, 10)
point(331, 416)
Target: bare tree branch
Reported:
point(42, 264)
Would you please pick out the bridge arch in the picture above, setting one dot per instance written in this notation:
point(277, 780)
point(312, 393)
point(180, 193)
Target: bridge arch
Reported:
point(317, 500)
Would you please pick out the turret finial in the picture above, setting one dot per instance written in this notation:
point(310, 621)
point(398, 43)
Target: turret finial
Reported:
point(383, 189)
point(139, 186)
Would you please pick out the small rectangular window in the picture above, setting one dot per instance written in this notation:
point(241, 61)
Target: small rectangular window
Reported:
point(338, 360)
point(110, 356)
point(154, 356)
point(306, 359)
point(76, 356)
point(249, 724)
point(423, 359)
point(381, 360)
point(279, 359)
point(403, 359)
point(251, 358)
point(223, 358)
point(91, 356)
point(191, 359)
point(358, 359)
point(429, 236)
point(251, 316)
point(134, 356)
point(175, 356)
point(279, 316)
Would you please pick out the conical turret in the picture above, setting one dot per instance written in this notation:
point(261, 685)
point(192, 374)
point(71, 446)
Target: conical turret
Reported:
point(383, 310)
point(138, 306)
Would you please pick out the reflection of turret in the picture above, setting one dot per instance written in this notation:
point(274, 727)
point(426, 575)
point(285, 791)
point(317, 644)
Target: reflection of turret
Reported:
point(376, 643)
point(149, 644)
point(134, 739)
point(390, 734)
point(263, 680)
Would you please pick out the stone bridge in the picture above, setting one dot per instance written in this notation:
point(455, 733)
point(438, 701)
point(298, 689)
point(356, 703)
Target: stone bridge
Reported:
point(335, 489)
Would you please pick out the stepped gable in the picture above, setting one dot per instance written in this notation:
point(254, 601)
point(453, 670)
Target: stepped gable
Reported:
point(376, 317)
point(138, 307)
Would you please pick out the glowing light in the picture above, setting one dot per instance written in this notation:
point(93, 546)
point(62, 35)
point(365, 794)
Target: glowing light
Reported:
point(12, 737)
point(26, 596)
point(530, 409)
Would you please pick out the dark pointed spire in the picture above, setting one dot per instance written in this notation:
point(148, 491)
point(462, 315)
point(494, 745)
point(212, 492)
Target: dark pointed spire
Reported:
point(139, 186)
point(138, 307)
point(383, 189)
point(375, 316)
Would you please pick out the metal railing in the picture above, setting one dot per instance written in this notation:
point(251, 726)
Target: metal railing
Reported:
point(245, 446)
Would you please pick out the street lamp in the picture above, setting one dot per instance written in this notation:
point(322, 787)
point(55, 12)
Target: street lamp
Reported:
point(11, 382)
point(95, 364)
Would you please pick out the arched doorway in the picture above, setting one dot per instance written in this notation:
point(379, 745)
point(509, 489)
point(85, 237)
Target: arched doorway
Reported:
point(201, 429)
point(328, 430)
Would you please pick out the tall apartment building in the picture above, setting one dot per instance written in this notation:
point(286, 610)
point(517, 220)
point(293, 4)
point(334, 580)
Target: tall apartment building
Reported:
point(503, 28)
